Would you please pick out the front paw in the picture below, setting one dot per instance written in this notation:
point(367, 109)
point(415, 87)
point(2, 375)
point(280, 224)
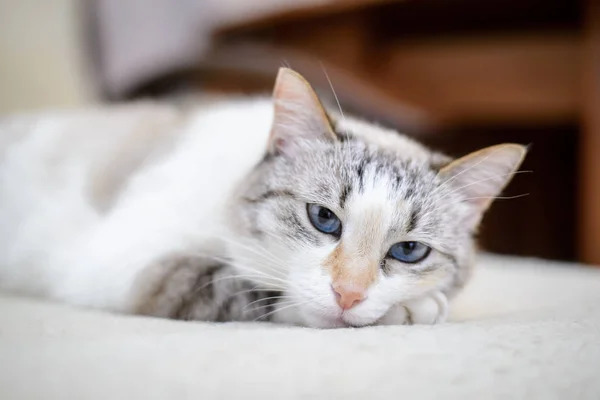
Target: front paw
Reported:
point(427, 310)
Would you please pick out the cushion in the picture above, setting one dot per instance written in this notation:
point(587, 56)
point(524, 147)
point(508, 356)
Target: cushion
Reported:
point(523, 329)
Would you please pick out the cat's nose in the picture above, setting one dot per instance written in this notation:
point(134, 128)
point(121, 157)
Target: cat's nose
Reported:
point(347, 295)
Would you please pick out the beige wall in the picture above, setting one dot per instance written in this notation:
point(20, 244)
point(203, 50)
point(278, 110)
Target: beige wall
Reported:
point(40, 57)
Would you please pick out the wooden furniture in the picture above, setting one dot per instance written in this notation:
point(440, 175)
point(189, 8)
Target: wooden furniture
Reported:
point(459, 60)
point(589, 217)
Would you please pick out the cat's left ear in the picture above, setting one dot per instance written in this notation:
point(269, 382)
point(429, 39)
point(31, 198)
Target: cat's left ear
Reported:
point(299, 115)
point(480, 176)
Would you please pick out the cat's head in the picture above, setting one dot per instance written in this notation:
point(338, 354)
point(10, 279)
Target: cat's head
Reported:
point(347, 218)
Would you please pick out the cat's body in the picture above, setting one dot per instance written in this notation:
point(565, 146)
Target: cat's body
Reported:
point(202, 214)
point(64, 185)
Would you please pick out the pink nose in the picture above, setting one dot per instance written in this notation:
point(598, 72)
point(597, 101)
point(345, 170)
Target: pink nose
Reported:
point(347, 296)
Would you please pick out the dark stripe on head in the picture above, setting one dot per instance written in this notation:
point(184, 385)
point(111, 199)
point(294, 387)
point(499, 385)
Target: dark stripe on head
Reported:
point(397, 182)
point(360, 171)
point(324, 189)
point(360, 168)
point(411, 183)
point(413, 219)
point(346, 190)
point(379, 168)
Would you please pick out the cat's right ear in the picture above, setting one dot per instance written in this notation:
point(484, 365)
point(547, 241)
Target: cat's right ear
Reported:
point(480, 176)
point(299, 115)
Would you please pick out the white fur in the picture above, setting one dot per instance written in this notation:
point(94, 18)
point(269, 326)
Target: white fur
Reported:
point(55, 242)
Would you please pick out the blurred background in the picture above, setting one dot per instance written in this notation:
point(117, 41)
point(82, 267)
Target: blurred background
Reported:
point(456, 74)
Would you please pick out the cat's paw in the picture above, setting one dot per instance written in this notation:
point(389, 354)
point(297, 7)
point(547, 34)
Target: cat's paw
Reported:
point(428, 310)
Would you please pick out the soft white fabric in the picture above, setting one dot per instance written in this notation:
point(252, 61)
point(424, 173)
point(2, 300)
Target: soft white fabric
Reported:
point(524, 329)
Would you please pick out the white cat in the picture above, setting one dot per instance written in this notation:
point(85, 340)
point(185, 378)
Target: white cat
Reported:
point(244, 209)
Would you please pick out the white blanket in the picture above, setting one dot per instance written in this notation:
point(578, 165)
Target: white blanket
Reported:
point(524, 329)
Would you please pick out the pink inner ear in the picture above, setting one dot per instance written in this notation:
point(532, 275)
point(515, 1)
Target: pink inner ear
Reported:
point(298, 113)
point(279, 144)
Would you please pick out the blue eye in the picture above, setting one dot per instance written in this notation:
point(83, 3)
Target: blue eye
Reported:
point(409, 252)
point(324, 220)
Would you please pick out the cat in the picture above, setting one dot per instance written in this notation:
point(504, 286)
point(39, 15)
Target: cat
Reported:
point(266, 208)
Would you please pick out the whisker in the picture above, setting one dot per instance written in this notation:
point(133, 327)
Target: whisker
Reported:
point(281, 309)
point(260, 307)
point(255, 272)
point(264, 275)
point(267, 298)
point(256, 288)
point(249, 247)
point(482, 180)
point(226, 261)
point(232, 262)
point(492, 197)
point(225, 238)
point(224, 278)
point(267, 254)
point(335, 96)
point(467, 169)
